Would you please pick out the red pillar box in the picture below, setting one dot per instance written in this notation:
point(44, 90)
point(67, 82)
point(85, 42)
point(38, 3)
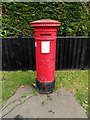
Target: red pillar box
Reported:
point(45, 44)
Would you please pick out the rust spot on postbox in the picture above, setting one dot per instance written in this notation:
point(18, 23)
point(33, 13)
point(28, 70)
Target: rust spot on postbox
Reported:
point(51, 58)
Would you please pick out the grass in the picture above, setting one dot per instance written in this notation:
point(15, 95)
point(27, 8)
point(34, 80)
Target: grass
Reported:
point(74, 81)
point(12, 80)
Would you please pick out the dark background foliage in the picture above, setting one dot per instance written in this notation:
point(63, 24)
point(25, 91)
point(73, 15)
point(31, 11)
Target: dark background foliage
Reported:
point(74, 17)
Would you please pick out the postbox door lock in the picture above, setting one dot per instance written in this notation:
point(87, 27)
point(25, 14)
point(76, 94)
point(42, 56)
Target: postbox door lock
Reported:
point(35, 44)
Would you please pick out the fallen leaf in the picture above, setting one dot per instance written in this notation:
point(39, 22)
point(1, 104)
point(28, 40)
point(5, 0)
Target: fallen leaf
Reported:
point(33, 84)
point(22, 86)
point(85, 101)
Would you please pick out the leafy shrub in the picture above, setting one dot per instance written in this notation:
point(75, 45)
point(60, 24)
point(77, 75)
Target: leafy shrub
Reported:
point(17, 17)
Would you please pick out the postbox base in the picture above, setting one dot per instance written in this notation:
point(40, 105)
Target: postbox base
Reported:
point(45, 88)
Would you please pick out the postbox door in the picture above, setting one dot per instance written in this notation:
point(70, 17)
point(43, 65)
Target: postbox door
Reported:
point(45, 60)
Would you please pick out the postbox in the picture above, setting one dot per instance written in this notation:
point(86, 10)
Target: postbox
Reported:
point(45, 47)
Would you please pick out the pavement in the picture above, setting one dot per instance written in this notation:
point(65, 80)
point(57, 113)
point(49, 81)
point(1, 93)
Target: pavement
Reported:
point(59, 104)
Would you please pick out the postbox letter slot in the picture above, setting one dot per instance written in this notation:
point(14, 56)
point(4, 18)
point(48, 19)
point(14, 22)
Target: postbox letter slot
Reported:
point(45, 34)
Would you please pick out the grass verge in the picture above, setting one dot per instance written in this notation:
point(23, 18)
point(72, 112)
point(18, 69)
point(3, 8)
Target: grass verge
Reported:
point(74, 81)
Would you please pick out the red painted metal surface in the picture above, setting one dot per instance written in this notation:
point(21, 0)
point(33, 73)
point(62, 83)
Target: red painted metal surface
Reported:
point(45, 30)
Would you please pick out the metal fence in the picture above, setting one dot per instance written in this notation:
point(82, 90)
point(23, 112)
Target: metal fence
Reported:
point(18, 53)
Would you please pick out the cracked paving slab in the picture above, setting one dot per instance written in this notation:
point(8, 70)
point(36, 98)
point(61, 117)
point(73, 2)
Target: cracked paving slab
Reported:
point(59, 104)
point(19, 92)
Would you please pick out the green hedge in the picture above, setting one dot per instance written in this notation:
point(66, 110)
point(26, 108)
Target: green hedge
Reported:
point(17, 17)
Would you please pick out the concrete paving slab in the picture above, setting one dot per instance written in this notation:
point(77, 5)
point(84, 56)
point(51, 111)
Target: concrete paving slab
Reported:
point(59, 104)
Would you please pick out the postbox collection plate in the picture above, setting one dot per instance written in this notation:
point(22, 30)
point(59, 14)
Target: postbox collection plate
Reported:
point(45, 47)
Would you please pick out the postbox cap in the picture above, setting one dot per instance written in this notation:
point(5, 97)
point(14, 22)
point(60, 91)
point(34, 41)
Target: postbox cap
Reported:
point(45, 22)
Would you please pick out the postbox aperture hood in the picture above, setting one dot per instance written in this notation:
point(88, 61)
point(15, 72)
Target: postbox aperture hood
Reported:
point(45, 22)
